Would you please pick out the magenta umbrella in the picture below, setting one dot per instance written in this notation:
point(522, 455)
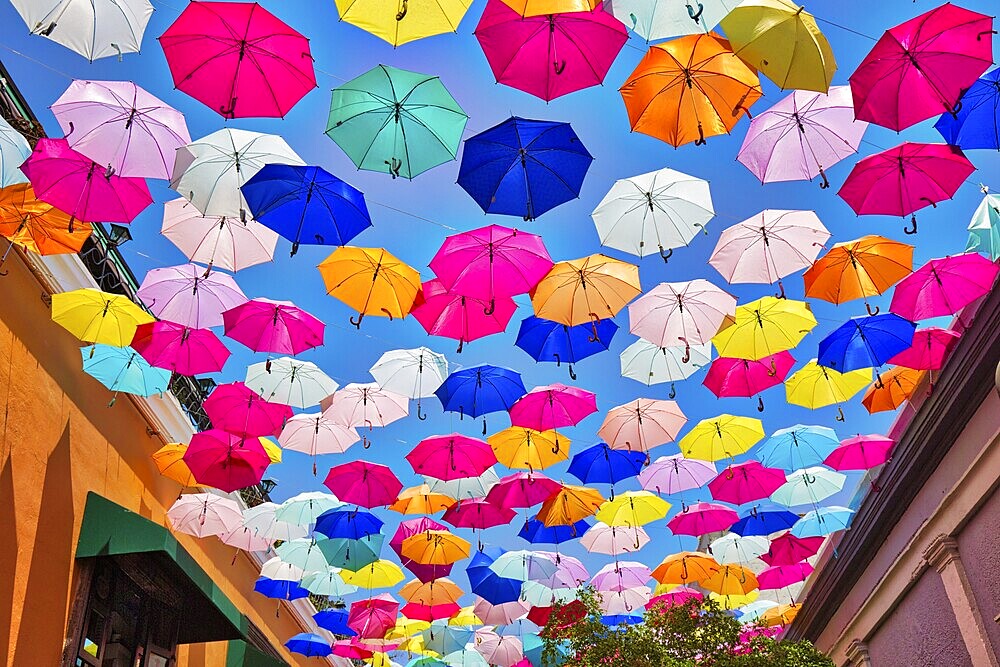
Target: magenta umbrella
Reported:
point(551, 54)
point(779, 576)
point(930, 347)
point(523, 489)
point(225, 460)
point(905, 179)
point(270, 326)
point(363, 483)
point(786, 549)
point(702, 518)
point(676, 473)
point(180, 349)
point(238, 59)
point(676, 596)
point(861, 452)
point(80, 187)
point(374, 616)
point(943, 286)
point(729, 377)
point(412, 527)
point(477, 513)
point(463, 318)
point(236, 408)
point(921, 68)
point(187, 295)
point(553, 406)
point(746, 482)
point(448, 457)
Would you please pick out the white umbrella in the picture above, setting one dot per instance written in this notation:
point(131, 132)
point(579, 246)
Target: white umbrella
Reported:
point(303, 509)
point(315, 434)
point(300, 384)
point(303, 553)
point(415, 373)
point(500, 650)
point(524, 565)
point(204, 514)
point(654, 21)
point(210, 171)
point(614, 540)
point(278, 570)
point(538, 594)
point(262, 521)
point(625, 601)
point(367, 405)
point(14, 150)
point(465, 658)
point(328, 582)
point(653, 212)
point(731, 549)
point(246, 539)
point(93, 28)
point(809, 486)
point(500, 614)
point(464, 487)
point(651, 364)
point(753, 611)
point(218, 241)
point(683, 313)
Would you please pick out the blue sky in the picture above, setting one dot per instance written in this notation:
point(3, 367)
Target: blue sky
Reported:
point(412, 218)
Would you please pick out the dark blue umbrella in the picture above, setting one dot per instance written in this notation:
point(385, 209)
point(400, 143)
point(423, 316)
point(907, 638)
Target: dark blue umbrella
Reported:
point(536, 532)
point(602, 465)
point(280, 589)
point(351, 554)
point(486, 583)
point(334, 620)
point(546, 340)
point(865, 342)
point(352, 524)
point(306, 205)
point(977, 123)
point(614, 620)
point(764, 523)
point(309, 645)
point(524, 167)
point(479, 390)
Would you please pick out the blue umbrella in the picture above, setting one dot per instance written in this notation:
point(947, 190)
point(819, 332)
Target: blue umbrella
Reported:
point(614, 620)
point(122, 369)
point(280, 589)
point(977, 123)
point(352, 524)
point(309, 645)
point(351, 554)
point(546, 340)
point(823, 521)
point(534, 647)
point(306, 205)
point(445, 638)
point(764, 523)
point(486, 583)
point(602, 465)
point(536, 532)
point(524, 167)
point(334, 620)
point(798, 447)
point(865, 342)
point(479, 390)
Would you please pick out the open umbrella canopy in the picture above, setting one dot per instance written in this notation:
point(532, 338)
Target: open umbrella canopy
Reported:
point(798, 447)
point(858, 269)
point(943, 286)
point(123, 369)
point(407, 22)
point(732, 548)
point(642, 424)
point(535, 532)
point(701, 519)
point(371, 281)
point(442, 312)
point(435, 547)
point(764, 522)
point(765, 327)
point(746, 482)
point(421, 500)
point(809, 486)
point(366, 405)
point(37, 226)
point(686, 313)
point(552, 407)
point(363, 483)
point(721, 437)
point(477, 513)
point(204, 514)
point(656, 21)
point(299, 384)
point(94, 316)
point(651, 364)
point(602, 465)
point(977, 123)
point(479, 390)
point(14, 150)
point(814, 386)
point(892, 389)
point(676, 473)
point(93, 29)
point(550, 341)
point(569, 505)
point(179, 348)
point(984, 228)
point(823, 521)
point(451, 456)
point(414, 373)
point(865, 342)
point(270, 326)
point(217, 241)
point(522, 490)
point(861, 452)
point(586, 290)
point(741, 377)
point(525, 448)
point(226, 461)
point(631, 509)
point(614, 540)
point(184, 294)
point(169, 461)
point(236, 408)
point(685, 567)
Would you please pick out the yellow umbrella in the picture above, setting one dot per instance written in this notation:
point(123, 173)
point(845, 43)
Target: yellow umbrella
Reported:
point(421, 500)
point(686, 567)
point(272, 448)
point(380, 574)
point(434, 592)
point(527, 449)
point(731, 580)
point(783, 42)
point(765, 327)
point(546, 7)
point(570, 505)
point(735, 601)
point(814, 386)
point(403, 21)
point(371, 281)
point(721, 437)
point(783, 614)
point(585, 290)
point(435, 547)
point(633, 508)
point(94, 316)
point(406, 627)
point(379, 659)
point(465, 617)
point(169, 460)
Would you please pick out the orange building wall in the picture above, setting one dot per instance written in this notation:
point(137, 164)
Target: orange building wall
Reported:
point(59, 440)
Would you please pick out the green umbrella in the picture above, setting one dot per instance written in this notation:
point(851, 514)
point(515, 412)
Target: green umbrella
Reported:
point(397, 122)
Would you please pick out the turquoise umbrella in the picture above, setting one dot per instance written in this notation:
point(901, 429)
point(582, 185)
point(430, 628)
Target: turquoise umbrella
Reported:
point(122, 369)
point(395, 121)
point(984, 230)
point(822, 521)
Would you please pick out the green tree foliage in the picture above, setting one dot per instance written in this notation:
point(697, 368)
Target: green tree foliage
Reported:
point(694, 634)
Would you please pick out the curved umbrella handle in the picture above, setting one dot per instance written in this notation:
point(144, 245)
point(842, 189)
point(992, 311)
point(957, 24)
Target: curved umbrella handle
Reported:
point(773, 370)
point(840, 414)
point(490, 309)
point(461, 344)
point(878, 381)
point(357, 324)
point(700, 141)
point(687, 353)
point(484, 425)
point(365, 442)
point(781, 292)
point(594, 320)
point(558, 67)
point(760, 404)
point(695, 14)
point(684, 569)
point(401, 14)
point(555, 450)
point(979, 37)
point(572, 374)
point(912, 228)
point(666, 254)
point(826, 182)
point(420, 415)
point(871, 312)
point(558, 360)
point(387, 313)
point(673, 392)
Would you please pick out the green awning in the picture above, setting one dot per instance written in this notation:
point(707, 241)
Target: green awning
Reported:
point(241, 654)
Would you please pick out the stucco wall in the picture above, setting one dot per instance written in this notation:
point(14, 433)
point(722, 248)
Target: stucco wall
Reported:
point(979, 547)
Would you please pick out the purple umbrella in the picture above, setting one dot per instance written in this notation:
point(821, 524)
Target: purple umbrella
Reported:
point(179, 348)
point(186, 295)
point(673, 474)
point(273, 326)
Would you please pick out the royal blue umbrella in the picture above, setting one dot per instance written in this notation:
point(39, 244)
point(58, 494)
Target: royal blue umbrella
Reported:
point(764, 523)
point(524, 167)
point(865, 342)
point(546, 340)
point(122, 369)
point(614, 620)
point(486, 583)
point(306, 205)
point(479, 390)
point(351, 554)
point(280, 589)
point(977, 123)
point(602, 465)
point(536, 532)
point(352, 524)
point(334, 620)
point(309, 645)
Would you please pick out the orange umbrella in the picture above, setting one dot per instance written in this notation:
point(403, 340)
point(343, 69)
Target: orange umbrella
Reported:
point(731, 580)
point(571, 504)
point(895, 387)
point(688, 89)
point(435, 547)
point(421, 500)
point(169, 460)
point(585, 290)
point(686, 567)
point(783, 614)
point(36, 226)
point(858, 269)
point(432, 593)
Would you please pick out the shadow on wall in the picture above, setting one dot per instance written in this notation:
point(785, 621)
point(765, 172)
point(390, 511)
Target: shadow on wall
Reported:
point(8, 556)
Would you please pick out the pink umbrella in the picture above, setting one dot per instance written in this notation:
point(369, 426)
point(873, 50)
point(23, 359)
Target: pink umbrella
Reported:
point(204, 514)
point(452, 456)
point(500, 614)
point(226, 461)
point(185, 295)
point(553, 406)
point(549, 55)
point(373, 617)
point(779, 576)
point(786, 549)
point(746, 482)
point(676, 473)
point(180, 349)
point(619, 576)
point(363, 483)
point(743, 378)
point(409, 528)
point(642, 424)
point(315, 434)
point(367, 405)
point(227, 243)
point(238, 59)
point(678, 595)
point(278, 327)
point(477, 513)
point(921, 68)
point(905, 179)
point(702, 518)
point(614, 540)
point(429, 612)
point(861, 452)
point(463, 318)
point(237, 409)
point(523, 489)
point(686, 313)
point(943, 286)
point(930, 347)
point(82, 188)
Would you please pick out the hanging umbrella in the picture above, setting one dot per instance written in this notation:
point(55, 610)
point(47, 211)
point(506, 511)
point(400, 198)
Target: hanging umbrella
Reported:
point(944, 286)
point(522, 489)
point(814, 386)
point(36, 226)
point(334, 620)
point(528, 8)
point(731, 580)
point(676, 473)
point(442, 312)
point(862, 452)
point(549, 55)
point(14, 150)
point(701, 519)
point(270, 326)
point(499, 650)
point(892, 389)
point(435, 592)
point(642, 424)
point(477, 513)
point(535, 532)
point(798, 447)
point(122, 127)
point(977, 123)
point(84, 189)
point(303, 509)
point(865, 342)
point(602, 465)
point(721, 437)
point(686, 313)
point(929, 349)
point(180, 349)
point(94, 29)
point(380, 574)
point(209, 171)
point(262, 520)
point(651, 364)
point(415, 373)
point(822, 521)
point(552, 406)
point(734, 549)
point(656, 21)
point(921, 67)
point(786, 549)
point(586, 290)
point(569, 505)
point(486, 583)
point(653, 212)
point(374, 616)
point(802, 136)
point(809, 486)
point(524, 565)
point(304, 553)
point(405, 21)
point(614, 540)
point(204, 514)
point(299, 384)
point(169, 461)
point(371, 281)
point(984, 228)
point(764, 523)
point(451, 456)
point(421, 500)
point(238, 59)
point(185, 295)
point(435, 547)
point(363, 483)
point(782, 41)
point(524, 167)
point(729, 377)
point(464, 487)
point(309, 644)
point(237, 409)
point(525, 448)
point(769, 246)
point(350, 554)
point(479, 390)
point(122, 369)
point(688, 89)
point(546, 340)
point(765, 327)
point(395, 121)
point(94, 316)
point(315, 434)
point(780, 576)
point(857, 269)
point(226, 461)
point(244, 539)
point(620, 576)
point(306, 205)
point(217, 241)
point(746, 482)
point(631, 509)
point(366, 405)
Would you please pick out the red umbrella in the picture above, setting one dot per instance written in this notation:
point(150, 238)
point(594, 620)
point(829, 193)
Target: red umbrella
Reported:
point(363, 483)
point(452, 456)
point(238, 59)
point(523, 489)
point(348, 648)
point(702, 518)
point(226, 461)
point(273, 326)
point(905, 179)
point(477, 513)
point(463, 318)
point(921, 68)
point(743, 378)
point(178, 348)
point(373, 617)
point(746, 482)
point(236, 408)
point(429, 612)
point(786, 549)
point(410, 528)
point(930, 347)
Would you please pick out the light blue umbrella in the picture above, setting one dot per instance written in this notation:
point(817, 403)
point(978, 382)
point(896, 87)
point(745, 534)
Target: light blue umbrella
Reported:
point(823, 521)
point(443, 638)
point(534, 646)
point(984, 230)
point(328, 582)
point(809, 486)
point(798, 447)
point(122, 369)
point(466, 658)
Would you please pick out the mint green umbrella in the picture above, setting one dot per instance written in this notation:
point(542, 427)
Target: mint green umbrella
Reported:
point(984, 230)
point(398, 122)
